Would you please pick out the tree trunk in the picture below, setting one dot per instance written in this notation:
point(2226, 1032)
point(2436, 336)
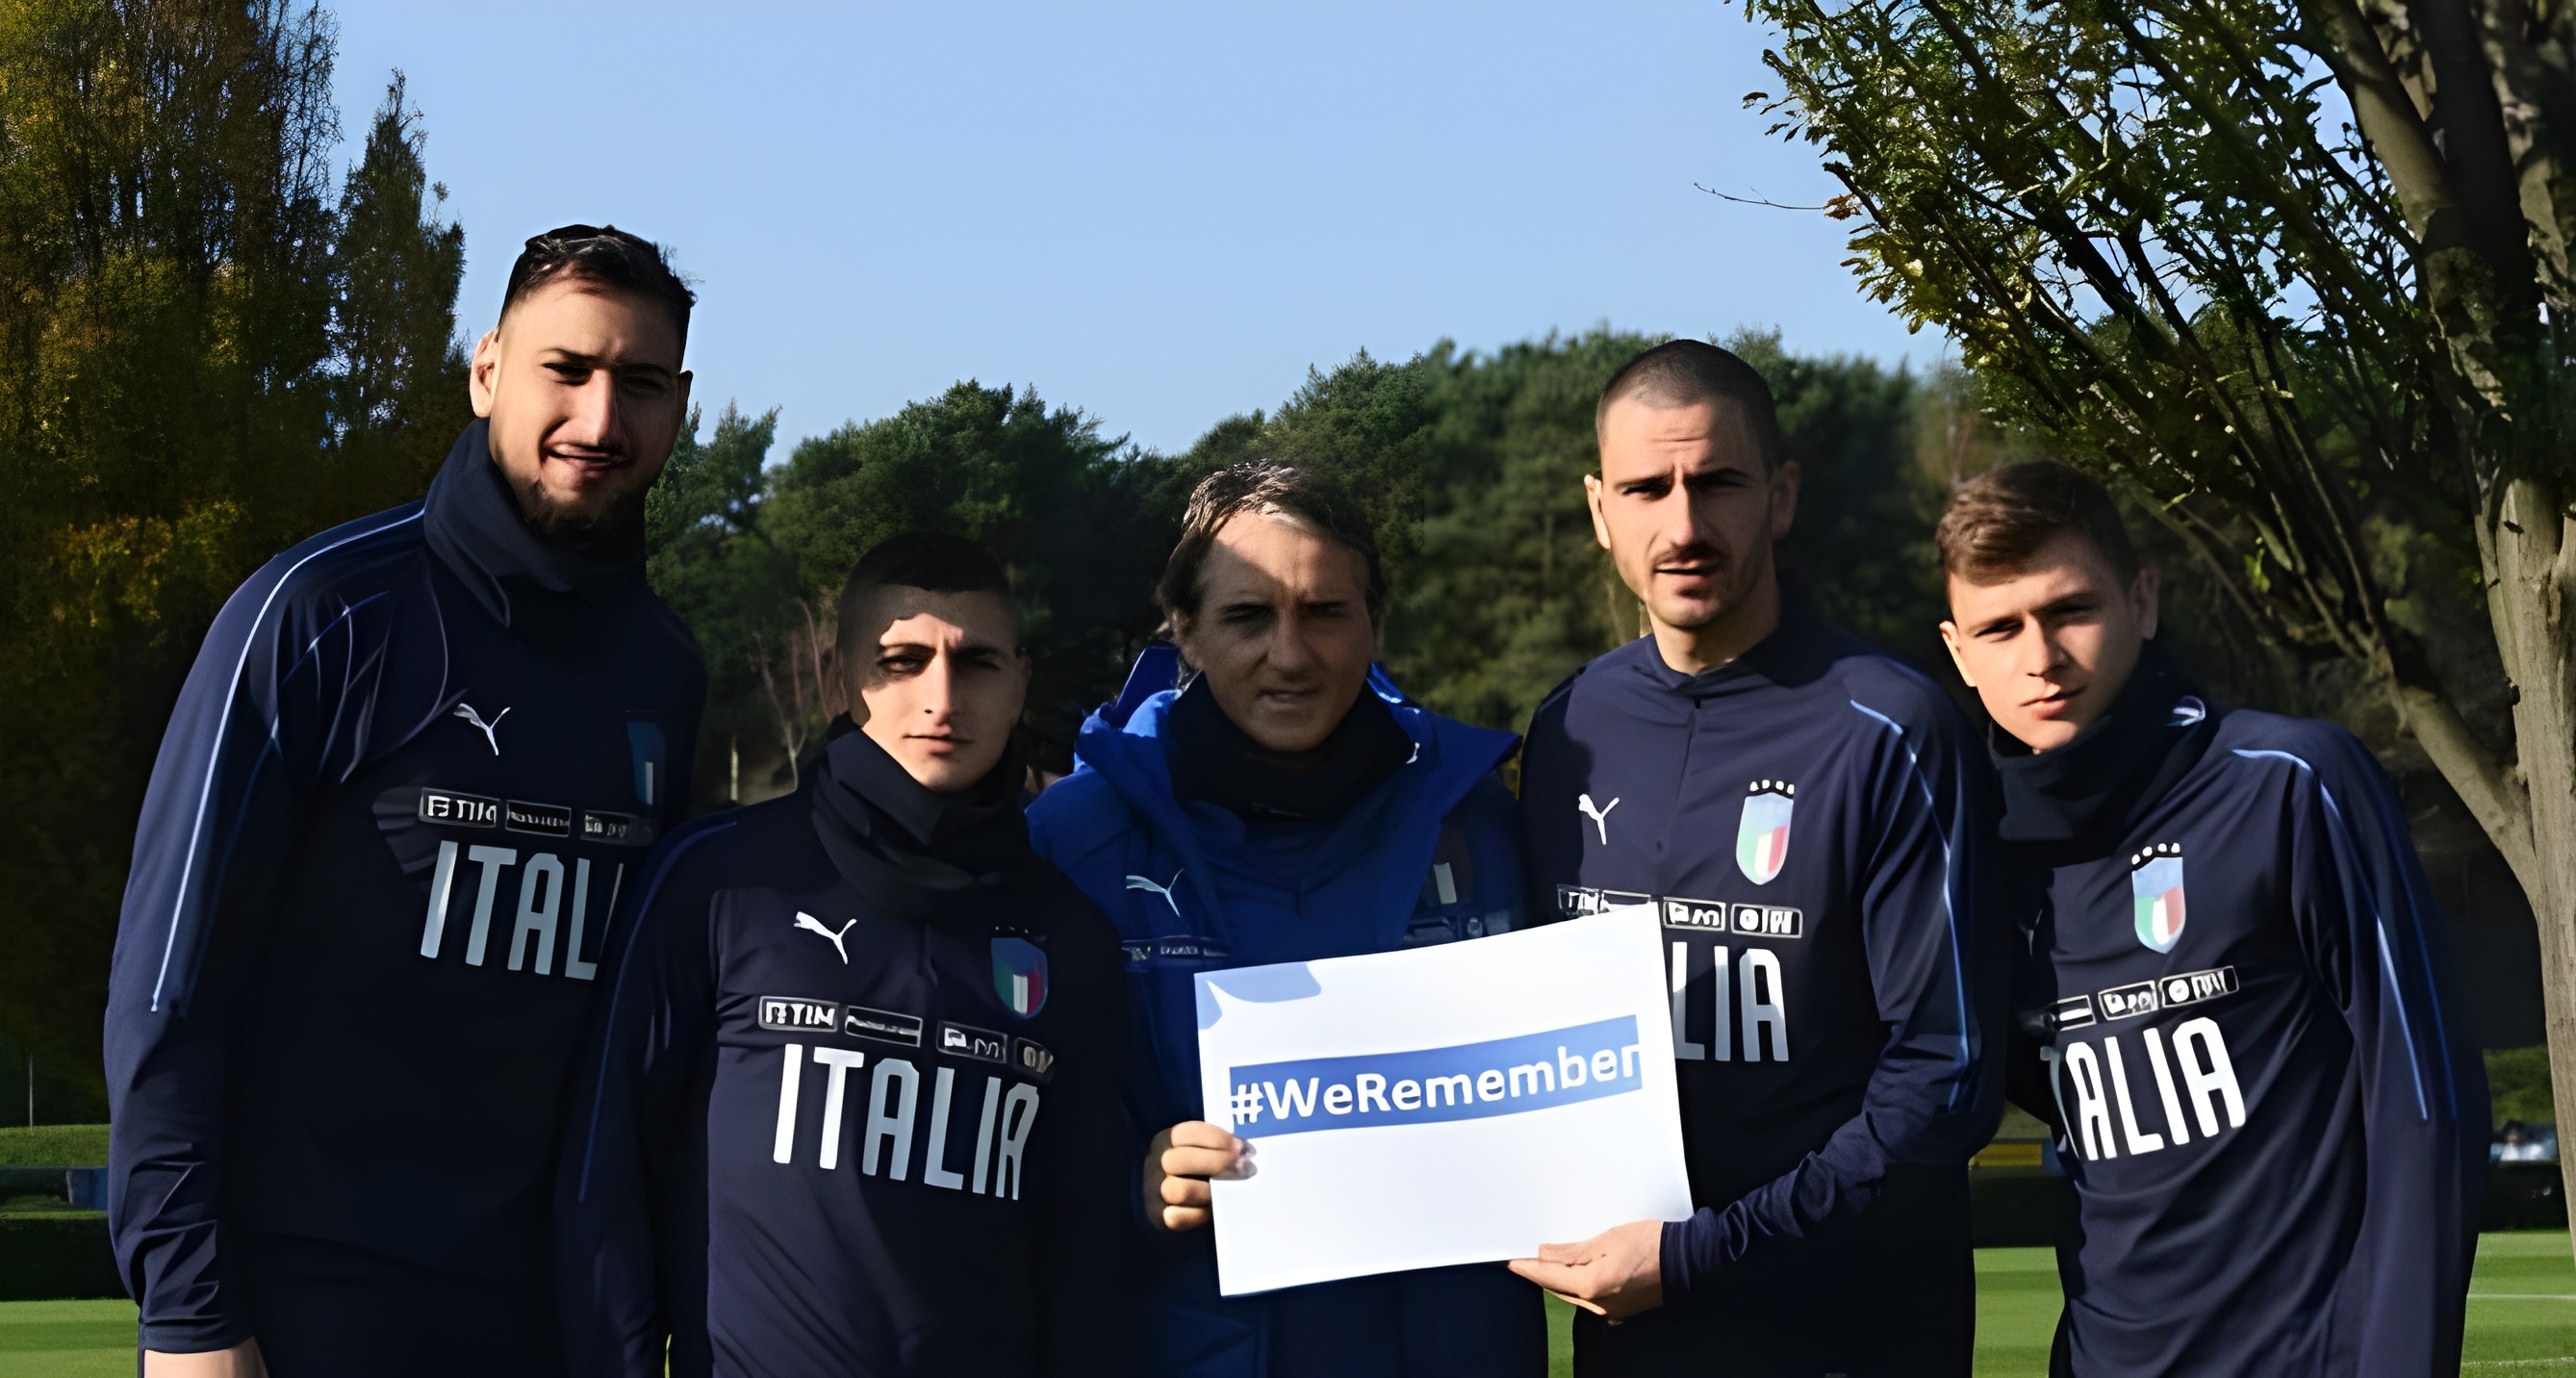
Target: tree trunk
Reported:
point(2529, 545)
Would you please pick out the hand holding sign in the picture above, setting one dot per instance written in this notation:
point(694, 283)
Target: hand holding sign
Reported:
point(1533, 1071)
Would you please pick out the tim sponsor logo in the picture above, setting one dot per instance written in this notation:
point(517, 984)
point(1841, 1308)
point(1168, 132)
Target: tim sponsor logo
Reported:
point(1582, 902)
point(790, 1014)
point(456, 810)
point(1503, 1076)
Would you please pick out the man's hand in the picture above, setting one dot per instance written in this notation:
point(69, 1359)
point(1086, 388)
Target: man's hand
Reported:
point(240, 1361)
point(1177, 1166)
point(1615, 1274)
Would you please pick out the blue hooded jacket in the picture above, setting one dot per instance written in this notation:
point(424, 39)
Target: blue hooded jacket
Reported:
point(1431, 855)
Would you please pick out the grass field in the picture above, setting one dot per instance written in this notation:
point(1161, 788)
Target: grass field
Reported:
point(2522, 1318)
point(53, 1145)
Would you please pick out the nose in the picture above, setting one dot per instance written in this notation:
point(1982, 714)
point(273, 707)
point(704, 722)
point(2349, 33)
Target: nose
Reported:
point(1291, 650)
point(2043, 653)
point(592, 422)
point(1684, 526)
point(939, 688)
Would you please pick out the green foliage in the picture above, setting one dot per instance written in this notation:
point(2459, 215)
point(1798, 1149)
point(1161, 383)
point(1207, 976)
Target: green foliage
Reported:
point(54, 1145)
point(207, 356)
point(2518, 1085)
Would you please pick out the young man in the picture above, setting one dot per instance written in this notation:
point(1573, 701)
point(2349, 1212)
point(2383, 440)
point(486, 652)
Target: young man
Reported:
point(1281, 804)
point(2275, 1127)
point(1804, 814)
point(856, 1107)
point(418, 758)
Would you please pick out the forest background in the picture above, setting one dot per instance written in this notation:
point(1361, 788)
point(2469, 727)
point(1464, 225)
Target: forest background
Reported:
point(212, 348)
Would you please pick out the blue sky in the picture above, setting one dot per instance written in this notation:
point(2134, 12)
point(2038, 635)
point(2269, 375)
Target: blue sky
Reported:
point(1161, 214)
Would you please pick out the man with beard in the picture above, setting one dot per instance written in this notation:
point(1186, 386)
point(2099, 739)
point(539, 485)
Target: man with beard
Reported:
point(1804, 816)
point(855, 1109)
point(418, 758)
point(2234, 1006)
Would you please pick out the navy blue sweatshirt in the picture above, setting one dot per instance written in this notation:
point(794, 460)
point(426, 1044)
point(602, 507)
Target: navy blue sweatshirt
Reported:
point(854, 1109)
point(417, 759)
point(1807, 825)
point(2275, 1125)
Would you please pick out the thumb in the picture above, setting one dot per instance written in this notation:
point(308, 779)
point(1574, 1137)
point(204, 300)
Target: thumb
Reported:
point(1568, 1254)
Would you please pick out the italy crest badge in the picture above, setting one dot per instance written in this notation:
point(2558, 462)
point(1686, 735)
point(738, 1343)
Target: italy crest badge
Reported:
point(2155, 889)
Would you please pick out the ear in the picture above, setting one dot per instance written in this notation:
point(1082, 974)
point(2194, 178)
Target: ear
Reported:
point(1784, 498)
point(1028, 671)
point(1950, 642)
point(1592, 500)
point(483, 379)
point(686, 378)
point(2146, 599)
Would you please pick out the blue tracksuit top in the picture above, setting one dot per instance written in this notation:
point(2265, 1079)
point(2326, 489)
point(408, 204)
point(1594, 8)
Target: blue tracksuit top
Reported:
point(1432, 855)
point(416, 763)
point(1809, 821)
point(2234, 1009)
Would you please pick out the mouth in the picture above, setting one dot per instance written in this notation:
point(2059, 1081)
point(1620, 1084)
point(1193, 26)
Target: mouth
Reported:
point(2053, 705)
point(588, 469)
point(942, 745)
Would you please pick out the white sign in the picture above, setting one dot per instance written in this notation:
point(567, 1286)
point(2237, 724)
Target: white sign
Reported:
point(1454, 1104)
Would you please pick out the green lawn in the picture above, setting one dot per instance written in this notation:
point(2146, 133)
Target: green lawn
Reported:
point(54, 1145)
point(2522, 1317)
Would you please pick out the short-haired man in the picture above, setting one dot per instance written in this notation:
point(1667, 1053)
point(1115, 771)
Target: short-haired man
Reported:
point(856, 1106)
point(1804, 813)
point(417, 759)
point(2275, 1125)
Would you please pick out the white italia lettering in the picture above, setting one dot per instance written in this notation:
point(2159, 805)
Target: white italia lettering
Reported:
point(544, 871)
point(2092, 1107)
point(492, 860)
point(2139, 1140)
point(984, 1132)
point(2165, 1086)
point(791, 1079)
point(1758, 966)
point(442, 884)
point(1019, 1112)
point(1683, 1047)
point(574, 966)
point(1721, 993)
point(835, 1097)
point(934, 1168)
point(891, 1126)
point(2210, 1078)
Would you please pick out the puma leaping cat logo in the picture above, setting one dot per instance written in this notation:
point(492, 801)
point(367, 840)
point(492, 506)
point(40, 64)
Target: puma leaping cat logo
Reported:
point(814, 925)
point(1135, 882)
point(1600, 815)
point(466, 711)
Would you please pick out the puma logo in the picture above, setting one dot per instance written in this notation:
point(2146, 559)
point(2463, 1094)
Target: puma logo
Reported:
point(1599, 814)
point(814, 925)
point(466, 711)
point(1135, 882)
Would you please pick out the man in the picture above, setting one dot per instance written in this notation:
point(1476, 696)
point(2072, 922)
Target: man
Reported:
point(417, 760)
point(1282, 803)
point(2275, 1124)
point(856, 1110)
point(1799, 810)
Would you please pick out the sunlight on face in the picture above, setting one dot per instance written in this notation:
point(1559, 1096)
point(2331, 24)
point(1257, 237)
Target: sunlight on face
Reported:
point(2048, 646)
point(945, 687)
point(1686, 512)
point(1282, 631)
point(585, 394)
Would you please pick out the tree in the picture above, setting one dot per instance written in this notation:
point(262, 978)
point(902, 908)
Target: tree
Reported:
point(2288, 274)
point(171, 409)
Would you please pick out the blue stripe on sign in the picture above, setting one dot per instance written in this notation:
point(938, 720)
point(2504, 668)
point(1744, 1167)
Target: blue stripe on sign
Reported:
point(1429, 1085)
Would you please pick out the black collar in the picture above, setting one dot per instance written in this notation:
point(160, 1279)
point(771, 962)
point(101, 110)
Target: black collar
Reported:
point(907, 847)
point(473, 522)
point(1212, 759)
point(2090, 792)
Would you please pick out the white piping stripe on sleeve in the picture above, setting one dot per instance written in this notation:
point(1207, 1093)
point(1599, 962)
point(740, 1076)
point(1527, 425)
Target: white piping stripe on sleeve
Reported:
point(232, 691)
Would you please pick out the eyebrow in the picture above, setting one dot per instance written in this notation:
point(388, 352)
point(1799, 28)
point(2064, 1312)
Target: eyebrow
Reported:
point(553, 354)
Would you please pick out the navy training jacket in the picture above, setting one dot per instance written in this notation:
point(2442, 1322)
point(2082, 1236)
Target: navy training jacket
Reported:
point(2237, 1018)
point(1432, 855)
point(1809, 822)
point(417, 760)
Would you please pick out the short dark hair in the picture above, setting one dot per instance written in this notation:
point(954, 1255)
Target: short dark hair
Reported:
point(604, 255)
point(1682, 373)
point(1271, 489)
point(1998, 521)
point(931, 561)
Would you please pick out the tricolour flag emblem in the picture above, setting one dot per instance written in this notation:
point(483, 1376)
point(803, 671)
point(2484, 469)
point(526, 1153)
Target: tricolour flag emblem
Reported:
point(1762, 840)
point(1020, 975)
point(2155, 888)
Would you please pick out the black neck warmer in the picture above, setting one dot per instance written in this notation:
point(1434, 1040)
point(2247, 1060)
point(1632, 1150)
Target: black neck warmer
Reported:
point(473, 521)
point(2088, 793)
point(1213, 760)
point(909, 848)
